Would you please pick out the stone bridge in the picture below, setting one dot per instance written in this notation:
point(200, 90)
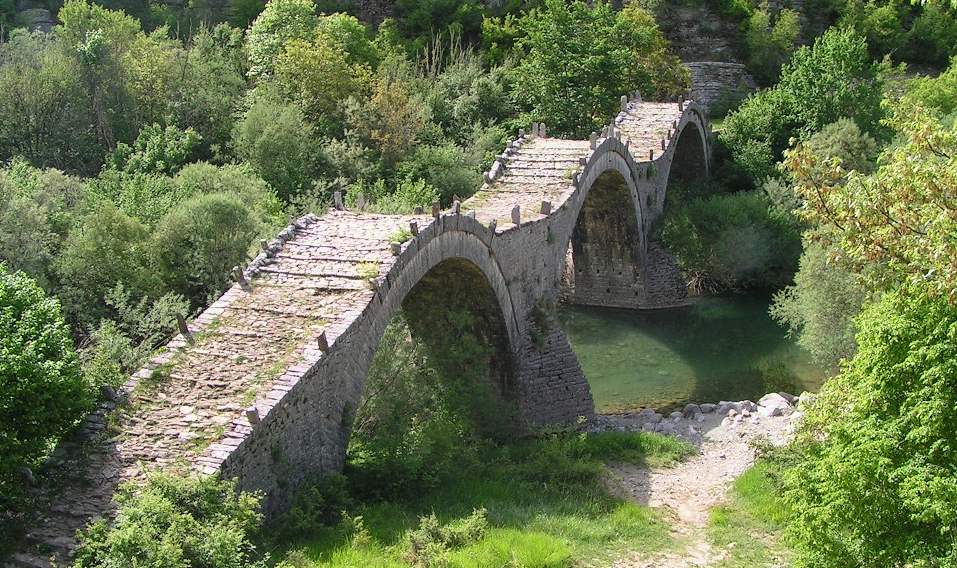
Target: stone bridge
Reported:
point(263, 384)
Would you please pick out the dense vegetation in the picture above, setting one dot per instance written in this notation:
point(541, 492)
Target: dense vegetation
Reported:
point(144, 148)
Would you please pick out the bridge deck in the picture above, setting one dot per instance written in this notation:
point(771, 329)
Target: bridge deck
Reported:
point(187, 407)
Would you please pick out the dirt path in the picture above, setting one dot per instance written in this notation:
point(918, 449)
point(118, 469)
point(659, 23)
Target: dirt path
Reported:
point(690, 489)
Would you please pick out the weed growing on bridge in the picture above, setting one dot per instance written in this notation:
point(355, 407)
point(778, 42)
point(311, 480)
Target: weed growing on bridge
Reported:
point(400, 236)
point(368, 271)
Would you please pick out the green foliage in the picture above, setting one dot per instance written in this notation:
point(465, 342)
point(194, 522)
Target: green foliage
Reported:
point(407, 195)
point(876, 482)
point(908, 31)
point(321, 503)
point(43, 105)
point(279, 22)
point(832, 79)
point(419, 20)
point(446, 168)
point(106, 248)
point(769, 46)
point(157, 150)
point(210, 87)
point(244, 12)
point(176, 521)
point(938, 93)
point(197, 244)
point(42, 392)
point(430, 544)
point(143, 196)
point(353, 36)
point(732, 241)
point(274, 138)
point(820, 307)
point(892, 225)
point(317, 75)
point(580, 59)
point(37, 209)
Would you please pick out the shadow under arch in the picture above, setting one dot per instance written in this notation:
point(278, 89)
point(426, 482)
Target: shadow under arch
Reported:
point(604, 259)
point(690, 161)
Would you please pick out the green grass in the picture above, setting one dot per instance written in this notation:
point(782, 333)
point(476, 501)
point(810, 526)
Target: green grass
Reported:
point(545, 506)
point(750, 526)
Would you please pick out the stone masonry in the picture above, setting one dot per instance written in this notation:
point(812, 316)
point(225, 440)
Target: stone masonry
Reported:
point(264, 384)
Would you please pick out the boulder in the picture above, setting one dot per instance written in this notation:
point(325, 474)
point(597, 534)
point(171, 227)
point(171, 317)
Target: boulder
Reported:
point(773, 404)
point(708, 407)
point(676, 415)
point(691, 410)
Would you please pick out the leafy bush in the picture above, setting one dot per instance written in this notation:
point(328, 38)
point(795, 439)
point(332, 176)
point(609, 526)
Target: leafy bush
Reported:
point(407, 195)
point(938, 93)
point(418, 20)
point(42, 392)
point(199, 242)
point(42, 102)
point(176, 521)
point(320, 504)
point(820, 307)
point(732, 241)
point(832, 79)
point(201, 178)
point(157, 150)
point(446, 168)
point(889, 224)
point(318, 76)
point(875, 482)
point(430, 544)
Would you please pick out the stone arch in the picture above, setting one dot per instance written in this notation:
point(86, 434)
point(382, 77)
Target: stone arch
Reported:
point(688, 158)
point(605, 242)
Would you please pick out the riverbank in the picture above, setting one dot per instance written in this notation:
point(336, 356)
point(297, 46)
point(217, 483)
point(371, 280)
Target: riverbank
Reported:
point(721, 506)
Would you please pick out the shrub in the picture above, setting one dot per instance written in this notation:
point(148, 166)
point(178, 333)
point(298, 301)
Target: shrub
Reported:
point(320, 504)
point(732, 241)
point(199, 242)
point(210, 88)
point(157, 150)
point(833, 79)
point(200, 522)
point(240, 181)
point(419, 20)
point(43, 105)
point(938, 93)
point(430, 544)
point(42, 392)
point(318, 77)
point(875, 482)
point(769, 46)
point(408, 195)
point(445, 168)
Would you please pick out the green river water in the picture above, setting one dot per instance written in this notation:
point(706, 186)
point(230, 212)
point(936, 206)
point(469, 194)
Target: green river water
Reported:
point(716, 349)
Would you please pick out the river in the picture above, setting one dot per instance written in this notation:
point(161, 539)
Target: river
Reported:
point(725, 348)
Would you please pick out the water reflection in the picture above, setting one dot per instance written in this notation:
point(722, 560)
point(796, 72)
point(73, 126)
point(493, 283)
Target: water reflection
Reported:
point(715, 349)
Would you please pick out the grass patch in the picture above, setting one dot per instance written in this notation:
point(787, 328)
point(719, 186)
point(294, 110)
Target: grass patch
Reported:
point(750, 526)
point(542, 499)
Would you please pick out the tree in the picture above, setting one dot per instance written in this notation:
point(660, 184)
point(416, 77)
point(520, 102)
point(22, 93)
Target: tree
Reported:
point(199, 242)
point(580, 59)
point(280, 22)
point(274, 137)
point(876, 479)
point(42, 392)
point(832, 79)
point(157, 150)
point(769, 46)
point(897, 224)
point(43, 102)
point(107, 247)
point(318, 77)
